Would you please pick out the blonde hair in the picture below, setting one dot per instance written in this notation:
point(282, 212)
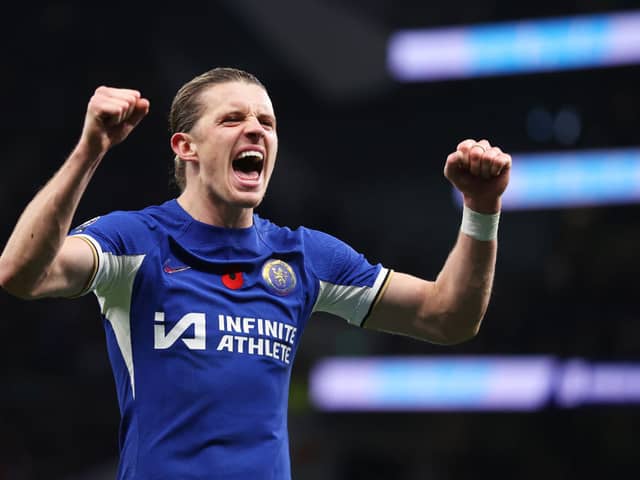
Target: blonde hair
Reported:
point(187, 108)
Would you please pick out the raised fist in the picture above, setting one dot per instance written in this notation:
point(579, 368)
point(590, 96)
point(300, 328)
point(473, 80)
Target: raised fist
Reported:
point(112, 114)
point(480, 172)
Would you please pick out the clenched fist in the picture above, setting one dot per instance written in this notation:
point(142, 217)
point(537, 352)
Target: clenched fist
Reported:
point(111, 115)
point(480, 172)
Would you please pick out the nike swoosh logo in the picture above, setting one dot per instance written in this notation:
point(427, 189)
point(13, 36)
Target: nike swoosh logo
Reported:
point(170, 269)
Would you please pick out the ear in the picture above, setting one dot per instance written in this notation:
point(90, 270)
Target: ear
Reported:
point(184, 147)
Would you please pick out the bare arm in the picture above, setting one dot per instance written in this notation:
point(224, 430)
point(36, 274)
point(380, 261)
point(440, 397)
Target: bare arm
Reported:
point(38, 259)
point(450, 309)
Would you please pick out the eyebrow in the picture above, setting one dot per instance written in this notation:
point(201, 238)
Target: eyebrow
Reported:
point(237, 109)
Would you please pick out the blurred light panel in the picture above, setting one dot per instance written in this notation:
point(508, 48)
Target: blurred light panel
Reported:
point(497, 383)
point(417, 383)
point(581, 383)
point(566, 179)
point(572, 179)
point(587, 41)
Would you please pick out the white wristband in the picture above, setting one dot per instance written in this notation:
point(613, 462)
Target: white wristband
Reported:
point(481, 226)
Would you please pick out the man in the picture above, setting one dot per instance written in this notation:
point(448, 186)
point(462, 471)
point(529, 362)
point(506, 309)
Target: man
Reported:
point(204, 302)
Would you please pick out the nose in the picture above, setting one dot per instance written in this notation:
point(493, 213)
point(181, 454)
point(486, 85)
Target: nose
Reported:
point(254, 129)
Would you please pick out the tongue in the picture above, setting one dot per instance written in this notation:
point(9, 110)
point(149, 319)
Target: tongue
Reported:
point(252, 175)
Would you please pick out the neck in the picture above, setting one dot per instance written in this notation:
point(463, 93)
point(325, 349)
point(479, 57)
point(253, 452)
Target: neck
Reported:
point(212, 212)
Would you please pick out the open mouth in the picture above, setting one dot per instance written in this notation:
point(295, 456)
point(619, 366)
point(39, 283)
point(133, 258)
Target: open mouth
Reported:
point(248, 165)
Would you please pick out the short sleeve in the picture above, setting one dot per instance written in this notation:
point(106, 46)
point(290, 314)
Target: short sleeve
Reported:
point(349, 285)
point(112, 238)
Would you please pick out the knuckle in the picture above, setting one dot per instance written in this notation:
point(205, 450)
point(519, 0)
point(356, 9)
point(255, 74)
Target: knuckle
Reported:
point(465, 144)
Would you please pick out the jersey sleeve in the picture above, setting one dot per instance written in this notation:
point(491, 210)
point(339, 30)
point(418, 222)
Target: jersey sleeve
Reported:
point(112, 239)
point(349, 286)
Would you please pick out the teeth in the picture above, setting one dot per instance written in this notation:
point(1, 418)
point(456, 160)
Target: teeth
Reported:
point(250, 153)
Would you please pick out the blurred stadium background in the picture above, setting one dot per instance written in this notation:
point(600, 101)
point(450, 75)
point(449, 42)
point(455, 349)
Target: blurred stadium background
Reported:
point(361, 156)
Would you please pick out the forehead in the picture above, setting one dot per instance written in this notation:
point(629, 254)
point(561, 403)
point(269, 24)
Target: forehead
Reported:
point(237, 95)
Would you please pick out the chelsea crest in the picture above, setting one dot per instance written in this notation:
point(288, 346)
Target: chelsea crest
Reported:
point(279, 277)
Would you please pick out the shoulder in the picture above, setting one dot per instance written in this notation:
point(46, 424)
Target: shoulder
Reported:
point(273, 235)
point(324, 254)
point(117, 221)
point(149, 217)
point(301, 236)
point(124, 230)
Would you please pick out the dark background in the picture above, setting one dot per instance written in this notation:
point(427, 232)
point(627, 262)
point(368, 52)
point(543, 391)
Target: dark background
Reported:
point(361, 157)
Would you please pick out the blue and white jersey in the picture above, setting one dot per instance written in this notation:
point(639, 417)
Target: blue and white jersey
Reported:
point(202, 326)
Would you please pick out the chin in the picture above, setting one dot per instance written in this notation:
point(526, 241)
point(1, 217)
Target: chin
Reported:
point(249, 200)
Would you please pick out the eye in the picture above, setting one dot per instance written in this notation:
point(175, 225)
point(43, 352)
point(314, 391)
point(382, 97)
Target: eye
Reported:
point(268, 122)
point(232, 118)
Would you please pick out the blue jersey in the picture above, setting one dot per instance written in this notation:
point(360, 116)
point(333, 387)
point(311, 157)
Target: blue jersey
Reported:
point(202, 326)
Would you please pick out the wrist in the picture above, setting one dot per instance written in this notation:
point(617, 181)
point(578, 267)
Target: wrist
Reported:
point(483, 205)
point(480, 226)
